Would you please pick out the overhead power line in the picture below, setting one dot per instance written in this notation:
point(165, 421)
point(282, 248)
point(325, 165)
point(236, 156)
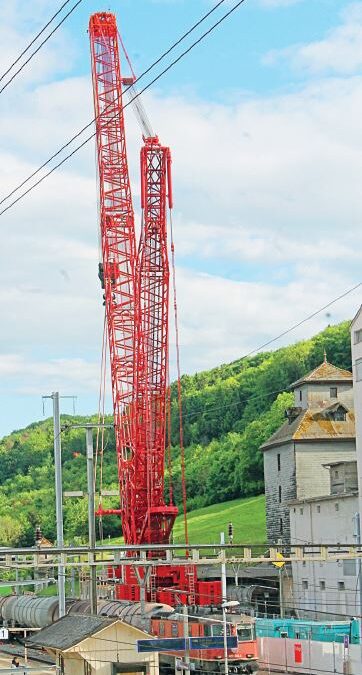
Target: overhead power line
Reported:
point(300, 323)
point(81, 131)
point(81, 145)
point(33, 40)
point(258, 349)
point(39, 46)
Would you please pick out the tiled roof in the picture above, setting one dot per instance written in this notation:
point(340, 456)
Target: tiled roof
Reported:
point(312, 425)
point(326, 372)
point(70, 630)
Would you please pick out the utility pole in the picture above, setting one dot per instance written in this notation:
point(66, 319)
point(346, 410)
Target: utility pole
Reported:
point(281, 599)
point(357, 537)
point(186, 636)
point(59, 499)
point(224, 601)
point(58, 494)
point(91, 508)
point(91, 519)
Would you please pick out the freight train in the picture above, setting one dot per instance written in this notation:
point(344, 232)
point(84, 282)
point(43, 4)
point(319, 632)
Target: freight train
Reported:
point(158, 619)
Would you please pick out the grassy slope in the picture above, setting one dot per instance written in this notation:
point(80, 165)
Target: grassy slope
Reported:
point(205, 525)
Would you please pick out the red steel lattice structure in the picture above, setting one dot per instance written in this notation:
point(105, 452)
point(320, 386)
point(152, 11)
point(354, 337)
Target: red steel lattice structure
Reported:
point(136, 295)
point(152, 342)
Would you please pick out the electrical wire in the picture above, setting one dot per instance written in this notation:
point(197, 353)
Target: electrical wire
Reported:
point(40, 46)
point(300, 323)
point(33, 40)
point(140, 77)
point(89, 138)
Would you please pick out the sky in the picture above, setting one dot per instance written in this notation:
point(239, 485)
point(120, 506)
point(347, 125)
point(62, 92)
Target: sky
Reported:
point(263, 121)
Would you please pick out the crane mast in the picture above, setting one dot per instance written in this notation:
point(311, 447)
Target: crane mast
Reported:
point(118, 244)
point(153, 298)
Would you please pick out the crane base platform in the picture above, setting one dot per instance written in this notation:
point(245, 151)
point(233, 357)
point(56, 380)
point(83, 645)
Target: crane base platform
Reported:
point(169, 584)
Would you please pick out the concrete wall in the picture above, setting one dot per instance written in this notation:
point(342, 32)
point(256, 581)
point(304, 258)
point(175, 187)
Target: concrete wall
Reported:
point(311, 395)
point(312, 478)
point(301, 476)
point(319, 658)
point(343, 478)
point(274, 479)
point(357, 386)
point(322, 590)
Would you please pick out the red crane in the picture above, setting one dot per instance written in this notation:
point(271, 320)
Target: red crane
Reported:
point(136, 295)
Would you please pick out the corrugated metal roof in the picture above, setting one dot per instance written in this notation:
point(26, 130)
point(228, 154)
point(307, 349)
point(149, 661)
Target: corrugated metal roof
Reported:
point(70, 630)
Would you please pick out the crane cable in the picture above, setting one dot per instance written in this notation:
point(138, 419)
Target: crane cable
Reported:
point(100, 426)
point(179, 387)
point(168, 446)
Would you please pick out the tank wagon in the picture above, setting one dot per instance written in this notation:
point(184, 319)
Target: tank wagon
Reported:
point(30, 611)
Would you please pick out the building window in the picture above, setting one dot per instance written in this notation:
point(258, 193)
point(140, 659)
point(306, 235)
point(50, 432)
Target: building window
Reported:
point(318, 508)
point(349, 568)
point(281, 525)
point(341, 586)
point(322, 585)
point(280, 494)
point(300, 394)
point(359, 370)
point(304, 585)
point(357, 336)
point(278, 457)
point(301, 511)
point(333, 392)
point(304, 563)
point(336, 506)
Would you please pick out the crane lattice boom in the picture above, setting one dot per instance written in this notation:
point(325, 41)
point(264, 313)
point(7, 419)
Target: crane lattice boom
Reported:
point(136, 297)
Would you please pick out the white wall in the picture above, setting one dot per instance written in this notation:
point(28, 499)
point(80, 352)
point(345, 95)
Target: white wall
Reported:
point(357, 386)
point(311, 477)
point(319, 658)
point(317, 522)
point(313, 395)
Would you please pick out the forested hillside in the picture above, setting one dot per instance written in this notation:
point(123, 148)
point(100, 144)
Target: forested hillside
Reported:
point(228, 413)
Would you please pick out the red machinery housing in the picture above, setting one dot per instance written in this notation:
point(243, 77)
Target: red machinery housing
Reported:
point(136, 295)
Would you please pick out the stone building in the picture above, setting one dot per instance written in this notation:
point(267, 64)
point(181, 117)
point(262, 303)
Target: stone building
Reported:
point(319, 430)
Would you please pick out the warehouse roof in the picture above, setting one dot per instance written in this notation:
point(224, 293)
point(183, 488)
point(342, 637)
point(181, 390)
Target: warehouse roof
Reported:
point(70, 630)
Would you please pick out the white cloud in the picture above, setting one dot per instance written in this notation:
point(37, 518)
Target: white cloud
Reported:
point(267, 224)
point(35, 377)
point(339, 52)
